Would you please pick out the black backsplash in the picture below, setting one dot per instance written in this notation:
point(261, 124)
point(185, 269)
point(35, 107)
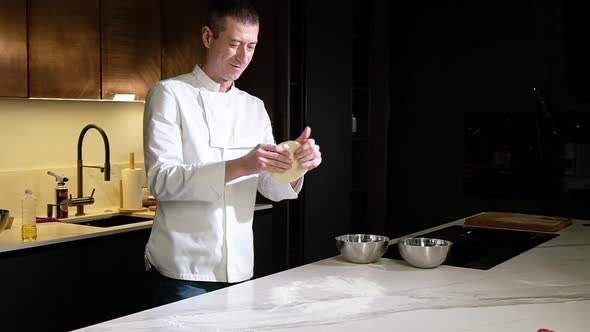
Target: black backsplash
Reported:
point(529, 155)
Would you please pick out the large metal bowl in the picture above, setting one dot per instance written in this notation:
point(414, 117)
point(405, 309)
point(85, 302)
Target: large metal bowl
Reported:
point(424, 252)
point(3, 219)
point(362, 248)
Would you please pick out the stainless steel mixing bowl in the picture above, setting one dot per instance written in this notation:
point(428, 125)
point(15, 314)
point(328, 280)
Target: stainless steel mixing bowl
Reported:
point(362, 248)
point(424, 252)
point(3, 219)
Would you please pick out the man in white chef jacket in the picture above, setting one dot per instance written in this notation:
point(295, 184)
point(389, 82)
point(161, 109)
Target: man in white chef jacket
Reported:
point(208, 148)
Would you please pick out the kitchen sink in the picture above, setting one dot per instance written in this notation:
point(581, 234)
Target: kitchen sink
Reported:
point(111, 221)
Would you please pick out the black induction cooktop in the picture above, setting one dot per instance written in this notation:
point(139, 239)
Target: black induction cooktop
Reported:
point(482, 248)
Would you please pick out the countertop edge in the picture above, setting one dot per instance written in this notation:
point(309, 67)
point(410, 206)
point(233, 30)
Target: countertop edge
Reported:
point(96, 231)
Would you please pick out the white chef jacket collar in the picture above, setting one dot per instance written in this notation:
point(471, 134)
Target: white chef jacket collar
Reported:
point(206, 81)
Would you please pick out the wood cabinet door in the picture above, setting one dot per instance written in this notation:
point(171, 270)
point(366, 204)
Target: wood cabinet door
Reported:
point(130, 46)
point(13, 48)
point(64, 50)
point(182, 47)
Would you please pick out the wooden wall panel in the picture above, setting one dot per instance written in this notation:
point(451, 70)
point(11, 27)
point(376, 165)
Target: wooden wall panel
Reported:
point(64, 46)
point(13, 48)
point(182, 47)
point(130, 46)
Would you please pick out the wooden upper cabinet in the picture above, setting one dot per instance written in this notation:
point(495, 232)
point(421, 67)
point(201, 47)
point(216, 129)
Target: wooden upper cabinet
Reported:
point(64, 49)
point(182, 47)
point(96, 48)
point(13, 48)
point(130, 46)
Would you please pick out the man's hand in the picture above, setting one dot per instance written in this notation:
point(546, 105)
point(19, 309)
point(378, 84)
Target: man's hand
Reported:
point(267, 158)
point(263, 158)
point(308, 154)
point(274, 159)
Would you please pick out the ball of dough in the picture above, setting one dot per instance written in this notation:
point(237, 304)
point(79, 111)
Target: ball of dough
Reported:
point(296, 171)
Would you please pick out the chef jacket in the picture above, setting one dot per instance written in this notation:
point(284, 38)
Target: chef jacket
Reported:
point(202, 229)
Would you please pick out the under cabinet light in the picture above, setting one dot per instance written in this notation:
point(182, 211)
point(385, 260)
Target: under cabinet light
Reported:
point(123, 96)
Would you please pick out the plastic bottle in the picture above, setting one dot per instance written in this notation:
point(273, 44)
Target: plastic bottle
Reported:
point(29, 218)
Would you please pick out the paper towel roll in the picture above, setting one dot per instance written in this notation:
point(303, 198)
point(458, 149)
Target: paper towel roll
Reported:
point(132, 182)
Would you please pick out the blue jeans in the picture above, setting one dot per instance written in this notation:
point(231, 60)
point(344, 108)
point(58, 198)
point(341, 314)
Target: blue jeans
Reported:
point(172, 290)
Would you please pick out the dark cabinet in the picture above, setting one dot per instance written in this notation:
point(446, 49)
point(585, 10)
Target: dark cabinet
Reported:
point(64, 42)
point(370, 109)
point(79, 283)
point(319, 96)
point(360, 107)
point(114, 282)
point(39, 288)
point(130, 47)
point(75, 284)
point(13, 48)
point(182, 47)
point(377, 129)
point(330, 84)
point(270, 247)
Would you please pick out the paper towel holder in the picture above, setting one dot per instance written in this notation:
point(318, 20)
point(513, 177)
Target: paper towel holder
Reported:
point(122, 209)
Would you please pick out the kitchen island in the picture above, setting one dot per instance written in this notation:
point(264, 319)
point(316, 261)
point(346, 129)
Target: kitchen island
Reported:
point(547, 287)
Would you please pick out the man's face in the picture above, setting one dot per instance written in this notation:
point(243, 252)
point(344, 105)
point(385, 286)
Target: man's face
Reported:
point(230, 53)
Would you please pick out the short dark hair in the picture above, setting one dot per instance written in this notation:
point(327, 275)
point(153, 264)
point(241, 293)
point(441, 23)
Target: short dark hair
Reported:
point(241, 10)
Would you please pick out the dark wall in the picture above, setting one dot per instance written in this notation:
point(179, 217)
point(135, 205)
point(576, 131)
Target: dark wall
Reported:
point(576, 27)
point(446, 60)
point(456, 57)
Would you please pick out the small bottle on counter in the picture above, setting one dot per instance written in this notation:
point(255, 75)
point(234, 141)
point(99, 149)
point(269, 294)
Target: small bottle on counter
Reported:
point(61, 199)
point(61, 195)
point(29, 218)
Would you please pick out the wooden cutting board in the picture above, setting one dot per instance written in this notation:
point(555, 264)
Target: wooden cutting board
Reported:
point(518, 221)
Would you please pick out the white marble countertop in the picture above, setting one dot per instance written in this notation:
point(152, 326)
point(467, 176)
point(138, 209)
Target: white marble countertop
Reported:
point(67, 230)
point(545, 287)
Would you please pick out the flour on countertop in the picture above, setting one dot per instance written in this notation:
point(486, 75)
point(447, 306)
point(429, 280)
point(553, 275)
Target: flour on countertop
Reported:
point(330, 287)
